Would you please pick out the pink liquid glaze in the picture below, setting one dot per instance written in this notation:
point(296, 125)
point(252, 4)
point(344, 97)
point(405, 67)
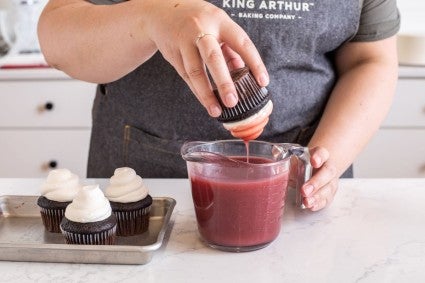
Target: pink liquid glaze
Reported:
point(239, 213)
point(251, 131)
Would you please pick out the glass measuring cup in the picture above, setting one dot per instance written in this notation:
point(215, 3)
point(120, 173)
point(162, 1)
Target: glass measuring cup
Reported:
point(239, 189)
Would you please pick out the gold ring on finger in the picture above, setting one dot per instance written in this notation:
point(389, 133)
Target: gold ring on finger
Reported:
point(200, 36)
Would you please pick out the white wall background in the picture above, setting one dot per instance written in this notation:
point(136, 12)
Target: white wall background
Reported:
point(412, 16)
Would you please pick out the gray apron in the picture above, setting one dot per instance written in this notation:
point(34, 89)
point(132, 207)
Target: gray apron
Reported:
point(142, 119)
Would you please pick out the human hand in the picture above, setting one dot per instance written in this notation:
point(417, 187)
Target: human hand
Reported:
point(195, 36)
point(320, 190)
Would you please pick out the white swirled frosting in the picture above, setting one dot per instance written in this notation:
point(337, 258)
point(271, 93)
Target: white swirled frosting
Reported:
point(126, 186)
point(89, 205)
point(60, 185)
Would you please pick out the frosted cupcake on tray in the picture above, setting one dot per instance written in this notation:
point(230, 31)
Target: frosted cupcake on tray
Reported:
point(89, 219)
point(130, 201)
point(57, 191)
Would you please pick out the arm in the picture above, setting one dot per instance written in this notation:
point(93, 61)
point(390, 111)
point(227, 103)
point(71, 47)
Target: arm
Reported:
point(97, 43)
point(102, 43)
point(358, 104)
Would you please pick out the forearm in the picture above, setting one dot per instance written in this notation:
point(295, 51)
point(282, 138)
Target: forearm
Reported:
point(97, 43)
point(357, 106)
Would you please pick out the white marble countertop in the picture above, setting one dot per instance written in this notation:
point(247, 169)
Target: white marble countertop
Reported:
point(373, 232)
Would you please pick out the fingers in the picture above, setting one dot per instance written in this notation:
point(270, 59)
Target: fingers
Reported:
point(323, 197)
point(194, 71)
point(318, 156)
point(177, 62)
point(240, 42)
point(212, 55)
point(220, 53)
point(319, 191)
point(233, 60)
point(209, 48)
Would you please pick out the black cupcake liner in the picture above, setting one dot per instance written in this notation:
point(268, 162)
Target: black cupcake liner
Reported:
point(52, 218)
point(132, 217)
point(133, 222)
point(252, 97)
point(91, 233)
point(100, 238)
point(52, 213)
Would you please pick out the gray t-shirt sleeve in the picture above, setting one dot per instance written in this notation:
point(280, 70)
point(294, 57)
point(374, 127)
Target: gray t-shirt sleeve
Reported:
point(379, 19)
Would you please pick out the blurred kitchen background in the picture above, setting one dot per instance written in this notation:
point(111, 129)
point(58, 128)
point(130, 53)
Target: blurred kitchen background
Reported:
point(18, 24)
point(413, 16)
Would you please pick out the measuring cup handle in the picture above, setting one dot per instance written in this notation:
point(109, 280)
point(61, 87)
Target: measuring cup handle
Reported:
point(304, 171)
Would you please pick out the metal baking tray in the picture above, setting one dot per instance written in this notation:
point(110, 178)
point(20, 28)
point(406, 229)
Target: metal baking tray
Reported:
point(23, 237)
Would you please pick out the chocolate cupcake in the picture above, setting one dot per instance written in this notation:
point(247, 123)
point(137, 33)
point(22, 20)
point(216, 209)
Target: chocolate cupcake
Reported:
point(252, 97)
point(247, 119)
point(130, 201)
point(58, 190)
point(89, 219)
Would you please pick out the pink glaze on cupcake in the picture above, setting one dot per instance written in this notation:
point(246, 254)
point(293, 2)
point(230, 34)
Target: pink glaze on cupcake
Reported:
point(251, 127)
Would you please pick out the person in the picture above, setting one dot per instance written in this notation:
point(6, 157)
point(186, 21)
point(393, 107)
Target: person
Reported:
point(330, 67)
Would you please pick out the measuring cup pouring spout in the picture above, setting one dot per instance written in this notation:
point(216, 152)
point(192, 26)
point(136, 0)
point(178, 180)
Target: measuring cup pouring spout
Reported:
point(205, 152)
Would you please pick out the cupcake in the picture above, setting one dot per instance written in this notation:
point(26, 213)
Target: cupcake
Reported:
point(89, 219)
point(130, 201)
point(58, 190)
point(247, 119)
point(251, 127)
